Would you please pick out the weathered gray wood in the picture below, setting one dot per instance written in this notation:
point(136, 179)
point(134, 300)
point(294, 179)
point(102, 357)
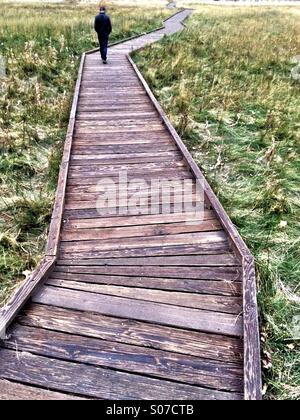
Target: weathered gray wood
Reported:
point(151, 250)
point(117, 149)
point(136, 359)
point(97, 382)
point(197, 273)
point(252, 367)
point(105, 170)
point(225, 304)
point(128, 220)
point(12, 391)
point(186, 249)
point(207, 238)
point(155, 174)
point(213, 287)
point(126, 158)
point(128, 331)
point(178, 200)
point(20, 297)
point(221, 260)
point(195, 319)
point(136, 231)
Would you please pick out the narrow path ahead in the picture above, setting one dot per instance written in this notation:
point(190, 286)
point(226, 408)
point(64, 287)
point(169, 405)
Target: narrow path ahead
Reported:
point(138, 305)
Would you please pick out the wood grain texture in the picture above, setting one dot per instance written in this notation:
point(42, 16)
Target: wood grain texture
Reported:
point(197, 273)
point(219, 288)
point(137, 231)
point(252, 361)
point(12, 391)
point(95, 382)
point(148, 249)
point(128, 331)
point(215, 303)
point(222, 260)
point(20, 297)
point(208, 239)
point(127, 358)
point(128, 220)
point(205, 321)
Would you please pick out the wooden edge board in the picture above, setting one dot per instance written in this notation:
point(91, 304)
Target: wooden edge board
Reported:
point(252, 357)
point(20, 297)
point(56, 219)
point(252, 362)
point(14, 391)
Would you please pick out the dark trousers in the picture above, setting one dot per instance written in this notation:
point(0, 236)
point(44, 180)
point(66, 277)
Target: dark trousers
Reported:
point(103, 41)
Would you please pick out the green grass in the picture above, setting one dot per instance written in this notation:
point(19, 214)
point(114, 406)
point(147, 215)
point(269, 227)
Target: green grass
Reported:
point(42, 45)
point(225, 83)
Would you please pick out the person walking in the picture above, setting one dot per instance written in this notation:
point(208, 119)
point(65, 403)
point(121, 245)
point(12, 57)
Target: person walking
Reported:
point(103, 28)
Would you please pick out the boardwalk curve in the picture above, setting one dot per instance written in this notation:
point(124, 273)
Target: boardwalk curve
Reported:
point(132, 305)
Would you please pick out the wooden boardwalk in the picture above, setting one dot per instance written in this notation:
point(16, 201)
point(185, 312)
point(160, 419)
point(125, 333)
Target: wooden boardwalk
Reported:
point(132, 306)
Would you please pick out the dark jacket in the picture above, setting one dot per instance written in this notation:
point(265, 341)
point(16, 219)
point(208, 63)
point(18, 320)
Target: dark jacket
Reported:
point(103, 25)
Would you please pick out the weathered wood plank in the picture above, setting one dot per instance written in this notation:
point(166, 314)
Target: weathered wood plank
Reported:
point(225, 304)
point(185, 249)
point(130, 128)
point(252, 360)
point(97, 382)
point(90, 142)
point(111, 106)
point(136, 211)
point(221, 260)
point(156, 175)
point(132, 359)
point(138, 188)
point(115, 149)
point(76, 170)
point(111, 200)
point(128, 331)
point(198, 273)
point(205, 238)
point(155, 251)
point(12, 391)
point(114, 159)
point(137, 231)
point(20, 297)
point(213, 287)
point(205, 321)
point(135, 220)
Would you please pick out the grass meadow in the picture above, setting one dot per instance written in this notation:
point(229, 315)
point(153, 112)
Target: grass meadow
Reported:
point(41, 45)
point(226, 84)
